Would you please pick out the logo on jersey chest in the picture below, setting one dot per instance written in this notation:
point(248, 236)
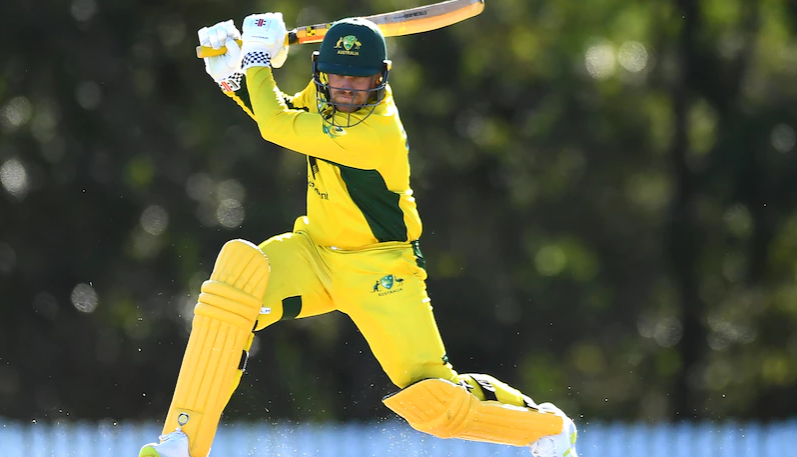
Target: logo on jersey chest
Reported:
point(334, 131)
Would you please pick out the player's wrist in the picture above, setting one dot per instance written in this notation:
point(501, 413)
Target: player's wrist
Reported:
point(231, 83)
point(256, 58)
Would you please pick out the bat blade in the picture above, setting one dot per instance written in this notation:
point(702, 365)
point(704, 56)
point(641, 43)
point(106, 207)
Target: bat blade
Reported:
point(396, 23)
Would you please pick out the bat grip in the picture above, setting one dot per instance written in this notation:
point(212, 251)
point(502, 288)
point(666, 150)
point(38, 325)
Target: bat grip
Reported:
point(292, 38)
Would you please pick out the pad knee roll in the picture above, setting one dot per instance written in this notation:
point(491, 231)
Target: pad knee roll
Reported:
point(235, 290)
point(447, 410)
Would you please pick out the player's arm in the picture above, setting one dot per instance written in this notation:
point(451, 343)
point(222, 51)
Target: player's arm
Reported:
point(242, 98)
point(295, 129)
point(225, 69)
point(304, 131)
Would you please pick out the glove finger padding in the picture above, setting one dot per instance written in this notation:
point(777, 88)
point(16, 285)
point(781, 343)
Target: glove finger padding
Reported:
point(203, 35)
point(233, 55)
point(232, 30)
point(216, 35)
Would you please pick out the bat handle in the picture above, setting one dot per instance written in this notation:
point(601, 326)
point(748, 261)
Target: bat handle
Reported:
point(292, 38)
point(207, 51)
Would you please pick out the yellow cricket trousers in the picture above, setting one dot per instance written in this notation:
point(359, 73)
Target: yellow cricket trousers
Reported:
point(381, 288)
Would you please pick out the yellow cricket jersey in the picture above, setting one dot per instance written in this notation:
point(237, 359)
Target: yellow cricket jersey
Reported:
point(358, 178)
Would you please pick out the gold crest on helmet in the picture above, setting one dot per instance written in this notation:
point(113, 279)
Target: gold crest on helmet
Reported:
point(348, 45)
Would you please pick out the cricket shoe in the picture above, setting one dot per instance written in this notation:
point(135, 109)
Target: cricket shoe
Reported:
point(174, 444)
point(561, 445)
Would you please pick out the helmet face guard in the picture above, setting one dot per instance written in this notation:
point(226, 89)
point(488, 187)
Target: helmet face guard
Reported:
point(355, 113)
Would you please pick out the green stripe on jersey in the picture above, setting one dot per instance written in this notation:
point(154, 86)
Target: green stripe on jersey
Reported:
point(378, 204)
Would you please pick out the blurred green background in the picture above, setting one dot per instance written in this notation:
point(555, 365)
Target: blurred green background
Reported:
point(608, 190)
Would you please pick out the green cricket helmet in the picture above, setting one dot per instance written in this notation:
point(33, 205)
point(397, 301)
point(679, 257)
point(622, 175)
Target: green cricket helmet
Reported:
point(351, 47)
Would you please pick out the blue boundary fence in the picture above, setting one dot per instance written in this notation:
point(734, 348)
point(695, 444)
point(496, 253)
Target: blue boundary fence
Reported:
point(395, 438)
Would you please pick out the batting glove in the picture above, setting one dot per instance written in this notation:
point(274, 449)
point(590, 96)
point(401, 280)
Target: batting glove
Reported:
point(226, 68)
point(264, 41)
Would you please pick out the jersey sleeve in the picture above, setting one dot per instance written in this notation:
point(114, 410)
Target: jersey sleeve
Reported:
point(296, 101)
point(301, 130)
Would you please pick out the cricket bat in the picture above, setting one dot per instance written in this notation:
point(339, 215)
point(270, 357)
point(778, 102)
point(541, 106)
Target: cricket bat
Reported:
point(397, 23)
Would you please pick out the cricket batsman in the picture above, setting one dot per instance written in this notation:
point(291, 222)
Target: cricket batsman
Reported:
point(356, 251)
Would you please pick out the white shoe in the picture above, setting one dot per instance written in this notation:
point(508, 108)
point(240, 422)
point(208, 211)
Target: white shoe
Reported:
point(174, 444)
point(561, 445)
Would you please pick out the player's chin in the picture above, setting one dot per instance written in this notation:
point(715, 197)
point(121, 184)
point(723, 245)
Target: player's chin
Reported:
point(346, 107)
